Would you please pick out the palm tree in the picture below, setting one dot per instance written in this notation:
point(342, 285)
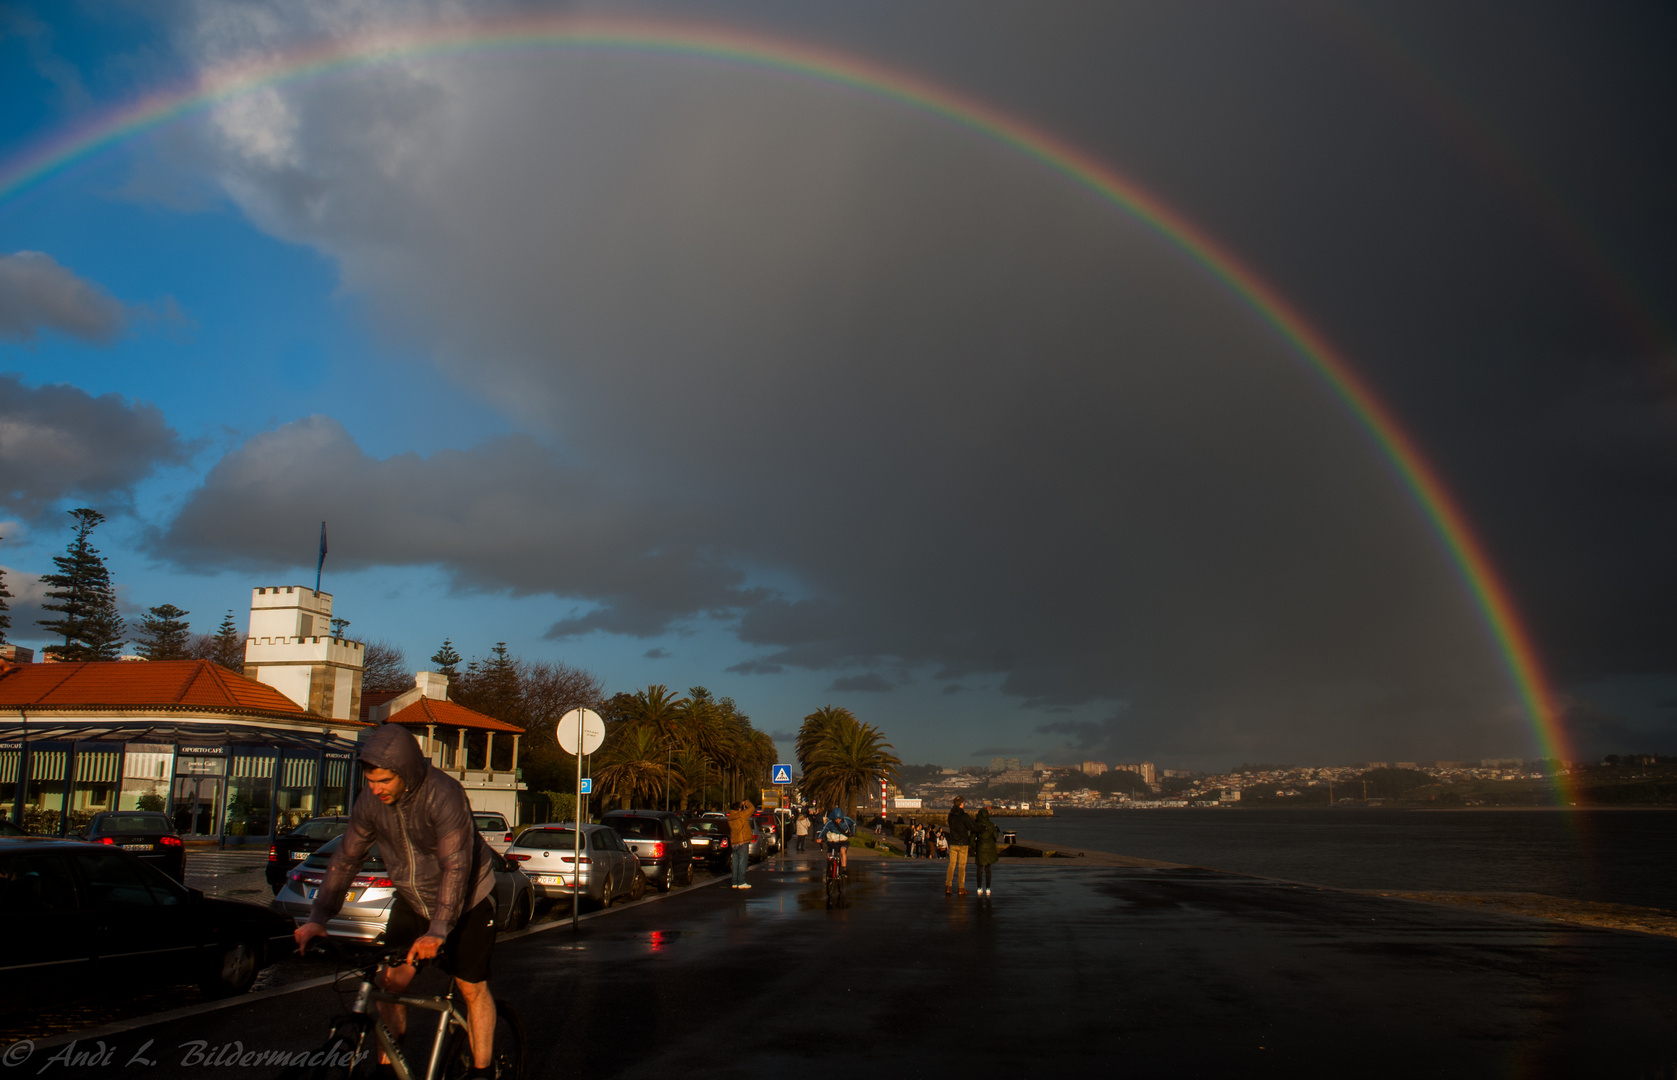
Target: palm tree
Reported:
point(841, 757)
point(632, 766)
point(659, 712)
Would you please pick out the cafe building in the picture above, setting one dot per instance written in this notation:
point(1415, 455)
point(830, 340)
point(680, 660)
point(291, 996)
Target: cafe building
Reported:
point(230, 757)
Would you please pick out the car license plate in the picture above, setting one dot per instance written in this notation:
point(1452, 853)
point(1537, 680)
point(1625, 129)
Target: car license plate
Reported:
point(136, 847)
point(296, 855)
point(547, 879)
point(308, 894)
point(701, 843)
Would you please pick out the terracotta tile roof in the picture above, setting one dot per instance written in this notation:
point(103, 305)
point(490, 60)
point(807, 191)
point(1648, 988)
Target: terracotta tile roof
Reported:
point(150, 685)
point(447, 713)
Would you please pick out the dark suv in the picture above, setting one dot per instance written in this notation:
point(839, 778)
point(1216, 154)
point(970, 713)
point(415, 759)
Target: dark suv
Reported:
point(660, 840)
point(290, 850)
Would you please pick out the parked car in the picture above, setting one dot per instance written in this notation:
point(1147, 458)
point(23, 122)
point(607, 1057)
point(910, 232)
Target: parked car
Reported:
point(768, 834)
point(298, 844)
point(660, 840)
point(608, 870)
point(90, 918)
point(150, 836)
point(709, 838)
point(494, 829)
point(366, 909)
point(9, 827)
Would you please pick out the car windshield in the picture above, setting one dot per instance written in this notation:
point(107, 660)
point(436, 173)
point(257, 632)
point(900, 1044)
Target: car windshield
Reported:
point(322, 858)
point(320, 830)
point(490, 822)
point(547, 839)
point(712, 828)
point(112, 824)
point(645, 828)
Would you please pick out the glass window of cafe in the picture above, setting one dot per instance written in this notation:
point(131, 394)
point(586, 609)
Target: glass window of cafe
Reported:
point(334, 787)
point(146, 776)
point(250, 793)
point(95, 785)
point(10, 760)
point(43, 793)
point(294, 801)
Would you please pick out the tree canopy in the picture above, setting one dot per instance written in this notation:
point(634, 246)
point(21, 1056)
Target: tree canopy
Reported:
point(841, 757)
point(164, 634)
point(82, 594)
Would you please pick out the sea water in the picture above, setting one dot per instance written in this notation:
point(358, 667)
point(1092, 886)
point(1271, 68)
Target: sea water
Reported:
point(1616, 856)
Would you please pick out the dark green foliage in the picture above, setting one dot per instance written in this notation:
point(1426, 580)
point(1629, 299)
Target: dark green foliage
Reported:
point(227, 648)
point(919, 774)
point(82, 594)
point(1117, 780)
point(164, 634)
point(447, 661)
point(1383, 783)
point(339, 626)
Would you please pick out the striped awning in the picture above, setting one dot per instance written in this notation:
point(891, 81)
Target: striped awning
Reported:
point(299, 773)
point(337, 774)
point(46, 765)
point(97, 766)
point(252, 766)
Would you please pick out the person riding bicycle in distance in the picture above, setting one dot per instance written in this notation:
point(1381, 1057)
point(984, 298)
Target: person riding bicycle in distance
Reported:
point(422, 822)
point(835, 833)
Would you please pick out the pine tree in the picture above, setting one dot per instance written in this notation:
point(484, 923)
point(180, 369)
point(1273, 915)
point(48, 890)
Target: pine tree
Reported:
point(82, 593)
point(447, 661)
point(228, 647)
point(5, 616)
point(164, 634)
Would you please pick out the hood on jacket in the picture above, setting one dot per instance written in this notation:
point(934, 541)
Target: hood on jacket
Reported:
point(983, 817)
point(393, 747)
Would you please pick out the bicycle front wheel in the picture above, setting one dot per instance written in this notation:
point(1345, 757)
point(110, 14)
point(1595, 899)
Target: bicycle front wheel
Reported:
point(506, 1055)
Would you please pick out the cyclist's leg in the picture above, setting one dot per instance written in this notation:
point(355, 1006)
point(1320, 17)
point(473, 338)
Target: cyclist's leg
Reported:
point(404, 927)
point(469, 946)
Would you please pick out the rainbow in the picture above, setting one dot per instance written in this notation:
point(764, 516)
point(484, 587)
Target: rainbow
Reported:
point(110, 128)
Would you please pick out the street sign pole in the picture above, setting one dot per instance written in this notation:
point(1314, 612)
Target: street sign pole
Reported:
point(580, 731)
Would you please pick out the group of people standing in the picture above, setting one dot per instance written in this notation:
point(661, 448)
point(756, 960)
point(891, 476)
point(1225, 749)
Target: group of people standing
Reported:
point(927, 842)
point(976, 837)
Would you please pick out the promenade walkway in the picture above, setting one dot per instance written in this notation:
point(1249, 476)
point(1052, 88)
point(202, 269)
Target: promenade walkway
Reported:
point(1068, 969)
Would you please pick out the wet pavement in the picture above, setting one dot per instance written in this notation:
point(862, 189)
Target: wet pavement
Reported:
point(1169, 971)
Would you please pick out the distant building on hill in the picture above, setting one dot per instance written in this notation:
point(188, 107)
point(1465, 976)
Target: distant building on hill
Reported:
point(1144, 769)
point(1093, 768)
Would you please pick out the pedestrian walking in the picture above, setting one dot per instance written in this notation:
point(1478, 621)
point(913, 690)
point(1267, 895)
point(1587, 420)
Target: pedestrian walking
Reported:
point(739, 835)
point(984, 849)
point(803, 830)
point(960, 842)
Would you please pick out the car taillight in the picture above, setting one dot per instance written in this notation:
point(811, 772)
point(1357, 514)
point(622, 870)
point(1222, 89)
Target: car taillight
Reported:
point(519, 858)
point(584, 859)
point(273, 852)
point(368, 882)
point(106, 840)
point(175, 841)
point(658, 850)
point(507, 838)
point(722, 843)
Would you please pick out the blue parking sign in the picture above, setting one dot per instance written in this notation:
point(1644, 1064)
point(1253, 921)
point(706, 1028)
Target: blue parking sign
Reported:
point(782, 774)
point(588, 785)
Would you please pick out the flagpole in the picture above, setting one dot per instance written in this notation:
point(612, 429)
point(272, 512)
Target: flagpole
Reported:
point(321, 565)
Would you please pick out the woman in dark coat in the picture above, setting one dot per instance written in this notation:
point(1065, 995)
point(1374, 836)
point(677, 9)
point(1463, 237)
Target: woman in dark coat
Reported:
point(984, 853)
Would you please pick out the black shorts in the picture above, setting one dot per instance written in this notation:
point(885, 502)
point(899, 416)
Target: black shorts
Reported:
point(467, 947)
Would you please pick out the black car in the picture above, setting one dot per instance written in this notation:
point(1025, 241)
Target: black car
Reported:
point(150, 836)
point(709, 839)
point(660, 840)
point(289, 851)
point(10, 828)
point(91, 919)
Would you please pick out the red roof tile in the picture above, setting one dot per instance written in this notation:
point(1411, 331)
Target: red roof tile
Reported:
point(432, 711)
point(156, 684)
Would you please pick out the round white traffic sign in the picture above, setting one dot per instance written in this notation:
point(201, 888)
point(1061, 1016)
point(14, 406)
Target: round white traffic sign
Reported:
point(593, 731)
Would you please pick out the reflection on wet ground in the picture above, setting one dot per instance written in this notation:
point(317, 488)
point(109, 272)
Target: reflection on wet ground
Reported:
point(1093, 969)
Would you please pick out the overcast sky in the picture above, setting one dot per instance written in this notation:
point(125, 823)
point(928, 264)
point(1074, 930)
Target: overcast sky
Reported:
point(690, 372)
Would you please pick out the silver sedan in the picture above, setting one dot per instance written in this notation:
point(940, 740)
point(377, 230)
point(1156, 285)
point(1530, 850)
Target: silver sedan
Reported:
point(609, 870)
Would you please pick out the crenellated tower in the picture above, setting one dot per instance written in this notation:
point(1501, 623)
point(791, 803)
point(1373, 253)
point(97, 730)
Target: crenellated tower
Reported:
point(291, 648)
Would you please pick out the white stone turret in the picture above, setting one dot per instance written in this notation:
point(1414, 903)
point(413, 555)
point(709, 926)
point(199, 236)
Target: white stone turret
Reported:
point(291, 648)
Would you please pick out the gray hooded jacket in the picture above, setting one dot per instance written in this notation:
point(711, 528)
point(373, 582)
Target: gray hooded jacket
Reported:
point(430, 846)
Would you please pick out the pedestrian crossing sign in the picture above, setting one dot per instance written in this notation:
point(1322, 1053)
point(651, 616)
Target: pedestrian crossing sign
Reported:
point(782, 774)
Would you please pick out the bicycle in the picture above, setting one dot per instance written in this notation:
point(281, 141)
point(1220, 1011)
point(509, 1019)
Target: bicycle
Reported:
point(835, 875)
point(352, 1050)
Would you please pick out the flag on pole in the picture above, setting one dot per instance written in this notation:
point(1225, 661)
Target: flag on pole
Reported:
point(319, 566)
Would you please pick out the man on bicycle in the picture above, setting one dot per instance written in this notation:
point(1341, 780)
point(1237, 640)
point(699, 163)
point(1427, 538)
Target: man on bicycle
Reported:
point(835, 833)
point(422, 822)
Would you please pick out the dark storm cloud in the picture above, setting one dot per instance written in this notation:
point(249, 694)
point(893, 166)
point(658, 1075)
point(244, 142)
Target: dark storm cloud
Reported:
point(37, 294)
point(58, 442)
point(505, 516)
point(991, 428)
point(656, 654)
point(868, 683)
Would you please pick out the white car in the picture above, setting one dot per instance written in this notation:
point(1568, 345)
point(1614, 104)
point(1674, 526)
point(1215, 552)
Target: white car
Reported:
point(494, 830)
point(609, 870)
